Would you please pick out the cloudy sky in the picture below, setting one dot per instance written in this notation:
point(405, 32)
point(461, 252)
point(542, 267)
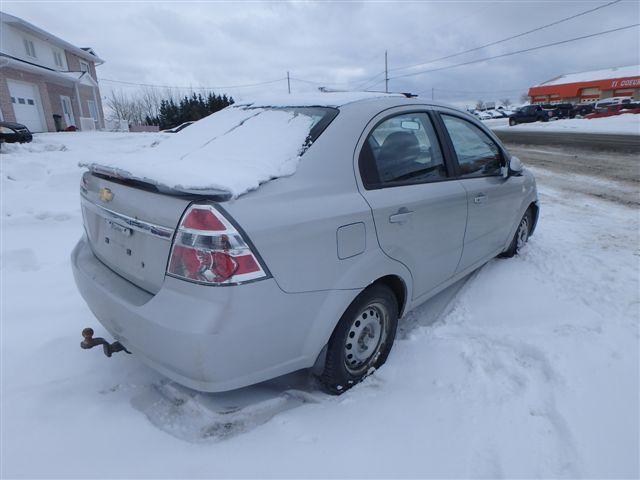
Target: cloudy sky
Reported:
point(340, 45)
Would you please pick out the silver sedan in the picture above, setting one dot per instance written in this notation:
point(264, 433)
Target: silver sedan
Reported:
point(394, 199)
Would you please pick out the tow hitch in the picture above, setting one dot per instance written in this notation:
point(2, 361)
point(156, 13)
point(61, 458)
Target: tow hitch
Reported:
point(109, 348)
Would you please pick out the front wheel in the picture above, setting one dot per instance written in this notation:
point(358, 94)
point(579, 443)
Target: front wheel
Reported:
point(512, 122)
point(362, 340)
point(520, 237)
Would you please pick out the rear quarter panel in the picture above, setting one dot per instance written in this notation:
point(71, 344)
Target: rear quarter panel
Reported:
point(293, 221)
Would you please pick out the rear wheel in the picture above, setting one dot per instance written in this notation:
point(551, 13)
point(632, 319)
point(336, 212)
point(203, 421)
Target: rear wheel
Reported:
point(521, 236)
point(362, 340)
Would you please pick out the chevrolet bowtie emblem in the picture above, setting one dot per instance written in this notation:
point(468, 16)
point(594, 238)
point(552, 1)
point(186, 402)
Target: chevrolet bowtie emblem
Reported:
point(106, 195)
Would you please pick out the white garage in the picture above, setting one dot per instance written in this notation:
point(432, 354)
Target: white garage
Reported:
point(27, 105)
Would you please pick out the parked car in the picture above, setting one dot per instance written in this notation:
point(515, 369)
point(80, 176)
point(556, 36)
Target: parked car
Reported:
point(483, 115)
point(603, 105)
point(495, 113)
point(308, 271)
point(559, 110)
point(582, 109)
point(528, 114)
point(182, 126)
point(11, 132)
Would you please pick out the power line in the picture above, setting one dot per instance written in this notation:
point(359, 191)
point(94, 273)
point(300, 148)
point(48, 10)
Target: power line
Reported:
point(474, 49)
point(512, 37)
point(524, 50)
point(219, 87)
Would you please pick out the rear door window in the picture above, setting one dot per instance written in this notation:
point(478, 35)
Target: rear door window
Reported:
point(478, 155)
point(402, 150)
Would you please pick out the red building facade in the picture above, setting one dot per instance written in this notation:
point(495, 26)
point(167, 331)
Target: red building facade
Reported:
point(589, 86)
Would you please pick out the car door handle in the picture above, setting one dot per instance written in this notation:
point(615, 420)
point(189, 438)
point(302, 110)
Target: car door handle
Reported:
point(480, 198)
point(401, 216)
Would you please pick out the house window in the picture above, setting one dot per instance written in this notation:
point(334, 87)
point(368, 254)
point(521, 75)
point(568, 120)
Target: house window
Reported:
point(29, 47)
point(84, 67)
point(57, 58)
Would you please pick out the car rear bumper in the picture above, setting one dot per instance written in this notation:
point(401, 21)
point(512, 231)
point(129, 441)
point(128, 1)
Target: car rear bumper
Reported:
point(211, 338)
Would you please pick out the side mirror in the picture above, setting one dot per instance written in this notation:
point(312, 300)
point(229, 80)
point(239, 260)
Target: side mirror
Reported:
point(515, 166)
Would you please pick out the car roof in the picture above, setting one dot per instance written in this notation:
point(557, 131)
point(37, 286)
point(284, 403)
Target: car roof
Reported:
point(12, 125)
point(339, 99)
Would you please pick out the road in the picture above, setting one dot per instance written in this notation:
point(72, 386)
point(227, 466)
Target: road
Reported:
point(601, 165)
point(601, 142)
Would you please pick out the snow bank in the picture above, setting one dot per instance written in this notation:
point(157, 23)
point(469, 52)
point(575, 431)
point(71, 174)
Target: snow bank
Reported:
point(234, 150)
point(626, 123)
point(42, 178)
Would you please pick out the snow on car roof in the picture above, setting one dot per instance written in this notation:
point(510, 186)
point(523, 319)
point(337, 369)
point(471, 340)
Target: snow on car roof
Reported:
point(232, 151)
point(604, 74)
point(316, 99)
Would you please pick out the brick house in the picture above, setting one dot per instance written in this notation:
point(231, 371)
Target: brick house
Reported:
point(46, 83)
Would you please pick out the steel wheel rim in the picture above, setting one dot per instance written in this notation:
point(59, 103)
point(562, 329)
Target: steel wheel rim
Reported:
point(523, 233)
point(365, 338)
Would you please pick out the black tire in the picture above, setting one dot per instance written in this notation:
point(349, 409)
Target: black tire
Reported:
point(512, 122)
point(521, 236)
point(341, 373)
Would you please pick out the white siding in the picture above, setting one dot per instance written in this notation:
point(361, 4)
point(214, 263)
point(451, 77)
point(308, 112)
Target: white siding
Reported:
point(12, 43)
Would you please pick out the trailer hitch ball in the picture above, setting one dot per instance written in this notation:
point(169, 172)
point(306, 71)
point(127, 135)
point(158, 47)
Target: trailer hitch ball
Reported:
point(108, 348)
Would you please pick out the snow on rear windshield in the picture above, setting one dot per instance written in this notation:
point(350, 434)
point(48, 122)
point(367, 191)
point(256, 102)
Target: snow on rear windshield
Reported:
point(235, 150)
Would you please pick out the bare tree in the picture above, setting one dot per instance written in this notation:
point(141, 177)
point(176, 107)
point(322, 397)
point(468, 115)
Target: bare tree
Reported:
point(137, 107)
point(524, 98)
point(506, 102)
point(119, 106)
point(479, 104)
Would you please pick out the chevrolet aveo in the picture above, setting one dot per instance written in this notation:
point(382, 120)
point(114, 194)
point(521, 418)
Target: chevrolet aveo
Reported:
point(394, 199)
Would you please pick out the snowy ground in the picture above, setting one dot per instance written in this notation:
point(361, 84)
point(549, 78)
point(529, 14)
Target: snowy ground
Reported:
point(627, 123)
point(528, 369)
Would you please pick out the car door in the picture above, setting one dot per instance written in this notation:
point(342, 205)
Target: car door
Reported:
point(419, 209)
point(492, 199)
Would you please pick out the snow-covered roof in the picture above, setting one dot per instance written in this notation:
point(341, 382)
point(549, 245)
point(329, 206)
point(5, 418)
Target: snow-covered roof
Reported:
point(319, 99)
point(604, 74)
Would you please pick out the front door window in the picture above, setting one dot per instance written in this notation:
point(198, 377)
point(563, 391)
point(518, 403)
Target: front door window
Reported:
point(478, 155)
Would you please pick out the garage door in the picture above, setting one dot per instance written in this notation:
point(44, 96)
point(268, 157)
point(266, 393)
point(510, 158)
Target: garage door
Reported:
point(26, 105)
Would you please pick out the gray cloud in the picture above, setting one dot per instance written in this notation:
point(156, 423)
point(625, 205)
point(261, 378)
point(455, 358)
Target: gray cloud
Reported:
point(208, 44)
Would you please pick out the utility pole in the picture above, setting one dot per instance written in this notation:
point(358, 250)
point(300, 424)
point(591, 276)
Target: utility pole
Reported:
point(288, 82)
point(386, 73)
point(432, 93)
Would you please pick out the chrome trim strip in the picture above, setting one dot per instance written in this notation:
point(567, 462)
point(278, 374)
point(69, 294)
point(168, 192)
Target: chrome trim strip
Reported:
point(139, 225)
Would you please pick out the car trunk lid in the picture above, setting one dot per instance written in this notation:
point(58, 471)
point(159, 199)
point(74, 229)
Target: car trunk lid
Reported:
point(130, 227)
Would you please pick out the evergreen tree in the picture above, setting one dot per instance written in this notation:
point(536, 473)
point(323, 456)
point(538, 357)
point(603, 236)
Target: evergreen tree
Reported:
point(189, 108)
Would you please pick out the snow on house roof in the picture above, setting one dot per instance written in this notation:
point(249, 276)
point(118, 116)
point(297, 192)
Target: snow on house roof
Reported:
point(604, 74)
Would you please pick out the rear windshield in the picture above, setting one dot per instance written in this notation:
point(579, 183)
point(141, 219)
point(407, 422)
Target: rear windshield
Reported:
point(320, 117)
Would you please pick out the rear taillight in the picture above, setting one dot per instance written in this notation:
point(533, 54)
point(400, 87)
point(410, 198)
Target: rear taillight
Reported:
point(208, 249)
